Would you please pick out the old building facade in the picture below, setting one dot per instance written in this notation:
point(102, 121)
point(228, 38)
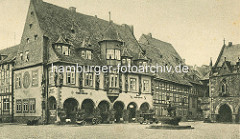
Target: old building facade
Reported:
point(224, 85)
point(50, 72)
point(7, 57)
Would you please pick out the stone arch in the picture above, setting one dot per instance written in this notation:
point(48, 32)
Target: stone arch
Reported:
point(88, 106)
point(132, 108)
point(70, 106)
point(144, 107)
point(118, 106)
point(104, 107)
point(224, 114)
point(218, 107)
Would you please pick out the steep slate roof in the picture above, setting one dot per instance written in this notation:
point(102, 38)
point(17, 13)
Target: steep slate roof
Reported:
point(10, 52)
point(55, 21)
point(231, 53)
point(163, 54)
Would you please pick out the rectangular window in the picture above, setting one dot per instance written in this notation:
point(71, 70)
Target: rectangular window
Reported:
point(25, 105)
point(21, 56)
point(110, 54)
point(117, 54)
point(65, 50)
point(70, 76)
point(145, 85)
point(83, 54)
point(6, 104)
point(88, 55)
point(133, 84)
point(32, 105)
point(89, 79)
point(19, 106)
point(35, 78)
point(113, 81)
point(129, 62)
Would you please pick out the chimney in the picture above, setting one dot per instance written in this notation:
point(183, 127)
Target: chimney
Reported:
point(73, 9)
point(150, 35)
point(132, 29)
point(229, 43)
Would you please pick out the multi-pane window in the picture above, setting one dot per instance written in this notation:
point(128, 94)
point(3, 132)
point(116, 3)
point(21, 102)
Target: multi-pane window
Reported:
point(19, 105)
point(110, 54)
point(25, 105)
point(35, 78)
point(32, 105)
point(146, 85)
point(113, 81)
point(113, 54)
point(117, 54)
point(70, 76)
point(88, 79)
point(6, 104)
point(133, 84)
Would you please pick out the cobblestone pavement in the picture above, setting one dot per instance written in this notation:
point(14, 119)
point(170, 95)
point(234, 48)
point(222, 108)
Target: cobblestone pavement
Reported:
point(120, 131)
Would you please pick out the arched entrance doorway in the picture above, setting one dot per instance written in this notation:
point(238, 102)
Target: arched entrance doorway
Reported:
point(104, 110)
point(118, 107)
point(52, 103)
point(144, 107)
point(224, 114)
point(88, 106)
point(132, 107)
point(70, 106)
point(52, 106)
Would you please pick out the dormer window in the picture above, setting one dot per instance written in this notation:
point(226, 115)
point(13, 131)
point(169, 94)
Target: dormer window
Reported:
point(123, 61)
point(28, 40)
point(27, 56)
point(83, 54)
point(65, 50)
point(129, 62)
point(113, 54)
point(21, 56)
point(35, 37)
point(86, 54)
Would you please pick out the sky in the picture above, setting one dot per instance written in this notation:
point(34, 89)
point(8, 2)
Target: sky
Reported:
point(196, 28)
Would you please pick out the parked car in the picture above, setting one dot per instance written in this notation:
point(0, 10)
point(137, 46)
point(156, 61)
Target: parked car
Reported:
point(148, 118)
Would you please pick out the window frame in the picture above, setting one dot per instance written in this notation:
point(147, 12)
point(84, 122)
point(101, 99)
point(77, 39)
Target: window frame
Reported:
point(133, 85)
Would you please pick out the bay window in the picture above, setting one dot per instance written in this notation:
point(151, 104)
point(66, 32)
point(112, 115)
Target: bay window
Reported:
point(113, 54)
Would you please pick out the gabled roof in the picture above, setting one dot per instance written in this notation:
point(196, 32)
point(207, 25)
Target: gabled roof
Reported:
point(61, 40)
point(111, 34)
point(163, 54)
point(54, 20)
point(125, 53)
point(10, 53)
point(231, 52)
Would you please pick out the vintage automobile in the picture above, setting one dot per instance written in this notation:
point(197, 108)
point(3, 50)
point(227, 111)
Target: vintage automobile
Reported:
point(90, 119)
point(147, 118)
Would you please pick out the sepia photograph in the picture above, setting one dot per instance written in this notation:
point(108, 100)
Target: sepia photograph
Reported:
point(117, 69)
